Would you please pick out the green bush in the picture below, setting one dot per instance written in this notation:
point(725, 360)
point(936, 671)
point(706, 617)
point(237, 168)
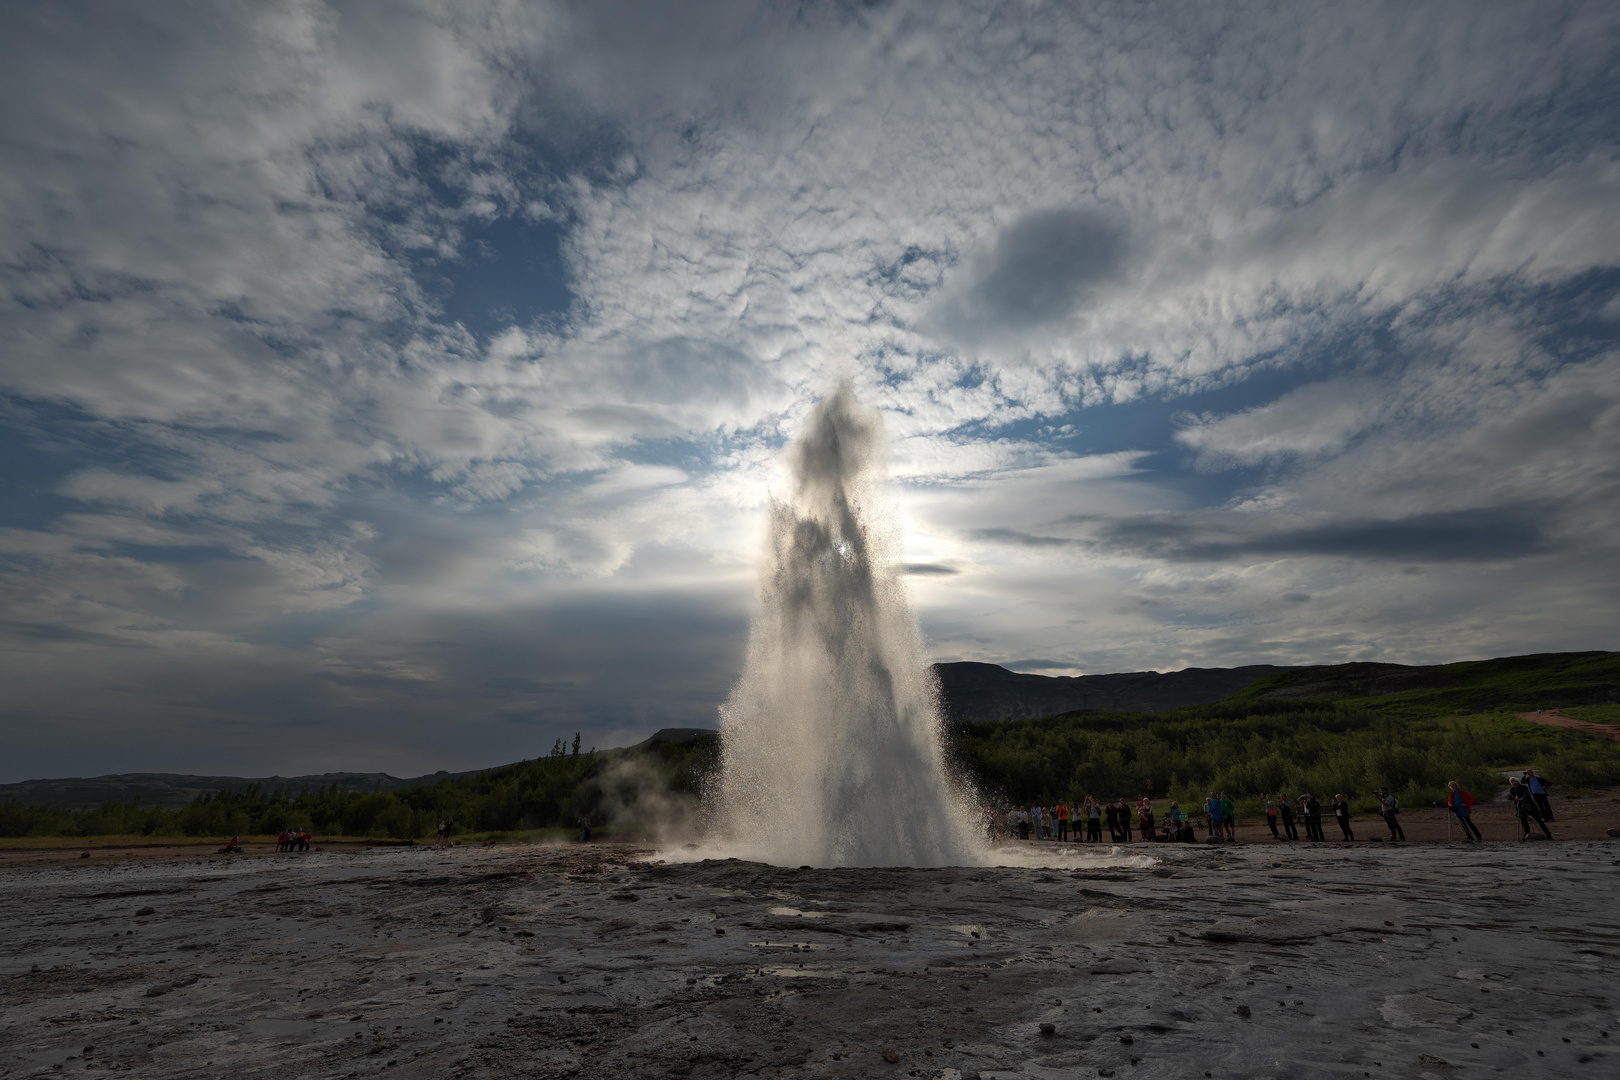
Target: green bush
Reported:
point(551, 791)
point(1249, 747)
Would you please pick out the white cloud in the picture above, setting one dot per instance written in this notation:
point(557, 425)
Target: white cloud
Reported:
point(1314, 420)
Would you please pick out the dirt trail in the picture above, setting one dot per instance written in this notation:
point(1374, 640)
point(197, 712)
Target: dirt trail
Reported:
point(1557, 719)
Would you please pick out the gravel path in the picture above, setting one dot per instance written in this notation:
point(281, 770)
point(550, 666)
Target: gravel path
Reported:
point(1557, 719)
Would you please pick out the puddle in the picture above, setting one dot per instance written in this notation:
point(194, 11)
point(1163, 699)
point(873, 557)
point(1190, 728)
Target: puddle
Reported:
point(789, 911)
point(794, 946)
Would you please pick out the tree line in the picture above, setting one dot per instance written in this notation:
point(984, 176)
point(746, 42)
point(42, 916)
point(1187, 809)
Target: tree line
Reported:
point(1247, 748)
point(549, 791)
point(1242, 747)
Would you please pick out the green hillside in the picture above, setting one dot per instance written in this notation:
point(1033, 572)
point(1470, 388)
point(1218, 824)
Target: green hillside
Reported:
point(1507, 684)
point(636, 787)
point(1344, 728)
point(1341, 728)
point(1249, 748)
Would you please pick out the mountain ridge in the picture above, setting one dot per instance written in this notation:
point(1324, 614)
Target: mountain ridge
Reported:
point(972, 692)
point(975, 692)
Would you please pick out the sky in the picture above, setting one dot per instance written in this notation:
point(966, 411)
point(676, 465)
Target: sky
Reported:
point(402, 386)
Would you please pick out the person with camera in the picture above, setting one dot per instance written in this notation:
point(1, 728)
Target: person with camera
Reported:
point(1341, 814)
point(1538, 791)
point(1524, 804)
point(1390, 807)
point(1285, 807)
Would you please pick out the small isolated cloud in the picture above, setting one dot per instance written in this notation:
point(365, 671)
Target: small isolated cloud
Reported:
point(635, 478)
point(1035, 274)
point(1312, 421)
point(1015, 538)
point(1039, 665)
point(922, 569)
point(1485, 534)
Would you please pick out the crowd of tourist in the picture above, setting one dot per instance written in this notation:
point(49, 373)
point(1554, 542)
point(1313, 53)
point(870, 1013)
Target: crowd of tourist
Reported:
point(294, 840)
point(1127, 823)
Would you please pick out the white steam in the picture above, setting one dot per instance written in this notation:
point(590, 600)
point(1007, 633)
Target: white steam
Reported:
point(830, 743)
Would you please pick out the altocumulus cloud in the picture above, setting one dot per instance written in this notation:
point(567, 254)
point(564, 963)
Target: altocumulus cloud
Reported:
point(402, 387)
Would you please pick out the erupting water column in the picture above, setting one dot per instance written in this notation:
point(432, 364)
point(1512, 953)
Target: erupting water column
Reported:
point(830, 744)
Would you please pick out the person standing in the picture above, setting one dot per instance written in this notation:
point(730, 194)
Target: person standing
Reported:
point(1229, 816)
point(1538, 791)
point(1271, 814)
point(1144, 818)
point(1063, 821)
point(1112, 810)
point(1212, 815)
point(1390, 807)
point(1341, 814)
point(1312, 815)
point(1286, 809)
point(1093, 821)
point(1125, 820)
point(1524, 803)
point(1460, 803)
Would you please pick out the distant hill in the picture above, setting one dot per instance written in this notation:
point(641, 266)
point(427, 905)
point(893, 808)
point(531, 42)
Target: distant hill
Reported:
point(976, 693)
point(973, 692)
point(1507, 683)
point(675, 736)
point(173, 790)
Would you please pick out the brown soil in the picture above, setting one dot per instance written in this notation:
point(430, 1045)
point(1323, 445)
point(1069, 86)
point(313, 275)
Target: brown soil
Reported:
point(1558, 719)
point(1586, 816)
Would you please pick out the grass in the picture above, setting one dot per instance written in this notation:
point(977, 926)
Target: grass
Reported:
point(1595, 714)
point(1509, 684)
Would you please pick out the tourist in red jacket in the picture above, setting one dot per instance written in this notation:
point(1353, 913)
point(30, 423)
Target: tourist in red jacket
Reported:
point(1462, 804)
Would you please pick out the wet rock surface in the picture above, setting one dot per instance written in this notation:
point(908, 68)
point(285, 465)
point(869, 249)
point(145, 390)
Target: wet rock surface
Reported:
point(523, 962)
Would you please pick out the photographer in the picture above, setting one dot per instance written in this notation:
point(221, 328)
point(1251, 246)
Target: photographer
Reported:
point(1341, 814)
point(1524, 802)
point(1538, 791)
point(1389, 806)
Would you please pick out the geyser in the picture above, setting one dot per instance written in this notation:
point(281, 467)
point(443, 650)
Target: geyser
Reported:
point(830, 743)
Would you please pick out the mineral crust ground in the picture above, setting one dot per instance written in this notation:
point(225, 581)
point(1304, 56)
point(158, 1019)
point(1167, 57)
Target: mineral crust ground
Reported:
point(1250, 961)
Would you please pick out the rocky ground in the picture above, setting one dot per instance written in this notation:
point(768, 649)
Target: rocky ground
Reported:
point(1248, 961)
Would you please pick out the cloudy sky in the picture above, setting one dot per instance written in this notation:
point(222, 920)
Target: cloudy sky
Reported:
point(401, 385)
